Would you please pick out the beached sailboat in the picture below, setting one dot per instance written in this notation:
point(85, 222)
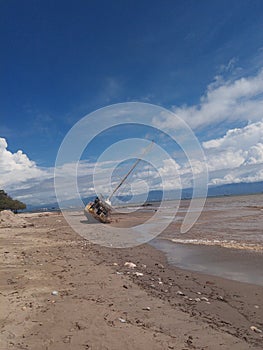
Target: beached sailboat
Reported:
point(100, 209)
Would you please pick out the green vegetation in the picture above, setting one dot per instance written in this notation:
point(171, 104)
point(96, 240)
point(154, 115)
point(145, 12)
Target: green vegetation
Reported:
point(6, 202)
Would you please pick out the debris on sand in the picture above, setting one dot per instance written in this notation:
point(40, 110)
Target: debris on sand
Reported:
point(180, 293)
point(54, 292)
point(138, 274)
point(9, 219)
point(255, 329)
point(147, 308)
point(130, 265)
point(205, 299)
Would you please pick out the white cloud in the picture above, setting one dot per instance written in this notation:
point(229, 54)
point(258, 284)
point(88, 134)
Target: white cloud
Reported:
point(242, 138)
point(224, 100)
point(237, 156)
point(16, 168)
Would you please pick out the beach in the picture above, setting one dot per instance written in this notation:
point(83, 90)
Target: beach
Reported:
point(61, 291)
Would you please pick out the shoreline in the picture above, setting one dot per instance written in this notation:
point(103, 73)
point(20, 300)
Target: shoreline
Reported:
point(249, 247)
point(103, 304)
point(230, 263)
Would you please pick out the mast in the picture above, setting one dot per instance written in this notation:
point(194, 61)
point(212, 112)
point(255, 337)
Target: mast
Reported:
point(147, 149)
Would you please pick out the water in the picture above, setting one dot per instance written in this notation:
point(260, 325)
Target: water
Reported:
point(227, 239)
point(239, 265)
point(237, 221)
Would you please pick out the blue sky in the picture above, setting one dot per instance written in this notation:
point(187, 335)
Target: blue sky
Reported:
point(61, 60)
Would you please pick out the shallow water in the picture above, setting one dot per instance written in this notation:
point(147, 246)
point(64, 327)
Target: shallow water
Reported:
point(233, 264)
point(237, 219)
point(226, 223)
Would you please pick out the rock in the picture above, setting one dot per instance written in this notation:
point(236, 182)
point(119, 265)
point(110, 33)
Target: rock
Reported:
point(255, 329)
point(197, 299)
point(130, 265)
point(122, 320)
point(256, 306)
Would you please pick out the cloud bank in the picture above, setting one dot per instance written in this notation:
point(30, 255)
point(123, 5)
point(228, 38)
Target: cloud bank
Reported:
point(234, 156)
point(237, 156)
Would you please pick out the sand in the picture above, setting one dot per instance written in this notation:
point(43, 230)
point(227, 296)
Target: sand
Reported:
point(9, 219)
point(58, 291)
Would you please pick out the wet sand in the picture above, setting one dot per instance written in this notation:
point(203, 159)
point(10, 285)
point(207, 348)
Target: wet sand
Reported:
point(102, 304)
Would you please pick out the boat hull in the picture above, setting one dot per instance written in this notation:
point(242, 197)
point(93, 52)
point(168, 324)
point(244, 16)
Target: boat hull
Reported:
point(93, 218)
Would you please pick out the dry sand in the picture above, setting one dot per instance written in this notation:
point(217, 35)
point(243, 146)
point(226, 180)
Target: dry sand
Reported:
point(102, 304)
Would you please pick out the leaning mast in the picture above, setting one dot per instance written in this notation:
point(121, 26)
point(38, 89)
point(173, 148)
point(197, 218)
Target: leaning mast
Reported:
point(147, 149)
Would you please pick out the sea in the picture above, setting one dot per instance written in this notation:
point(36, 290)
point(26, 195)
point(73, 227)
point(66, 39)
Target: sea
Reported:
point(226, 240)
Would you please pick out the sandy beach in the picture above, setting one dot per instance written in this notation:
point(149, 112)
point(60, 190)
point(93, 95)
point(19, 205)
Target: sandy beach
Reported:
point(59, 291)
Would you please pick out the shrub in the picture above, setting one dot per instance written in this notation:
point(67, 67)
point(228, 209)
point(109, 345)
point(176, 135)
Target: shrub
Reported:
point(6, 202)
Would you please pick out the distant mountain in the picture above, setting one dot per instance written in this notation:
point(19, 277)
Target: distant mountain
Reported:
point(236, 189)
point(186, 193)
point(241, 188)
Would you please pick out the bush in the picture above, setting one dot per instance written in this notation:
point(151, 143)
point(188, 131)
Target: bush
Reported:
point(6, 202)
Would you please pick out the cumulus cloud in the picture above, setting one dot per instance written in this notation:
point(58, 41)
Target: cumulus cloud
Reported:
point(237, 156)
point(224, 101)
point(24, 179)
point(16, 168)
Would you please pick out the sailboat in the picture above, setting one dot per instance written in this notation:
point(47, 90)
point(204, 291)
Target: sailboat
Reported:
point(100, 209)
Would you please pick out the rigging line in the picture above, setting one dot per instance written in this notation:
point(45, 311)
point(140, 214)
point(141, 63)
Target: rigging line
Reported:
point(147, 149)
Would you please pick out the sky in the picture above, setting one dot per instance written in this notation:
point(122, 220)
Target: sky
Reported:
point(61, 60)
